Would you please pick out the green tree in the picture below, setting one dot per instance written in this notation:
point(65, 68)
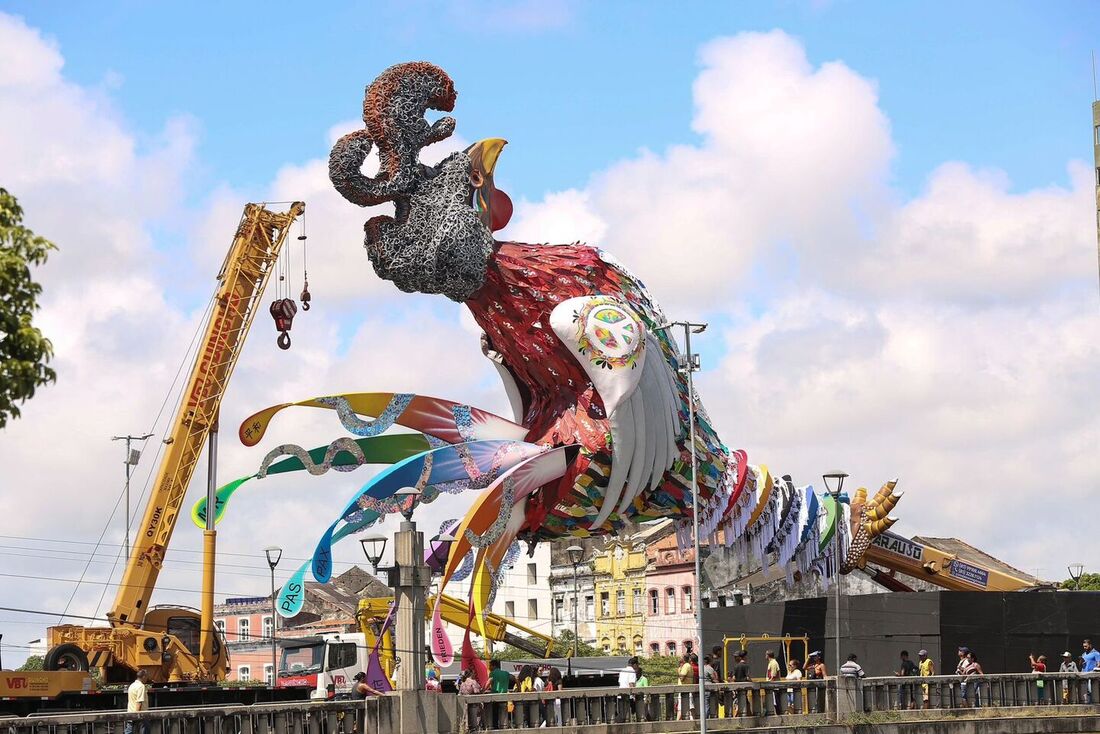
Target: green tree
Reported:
point(1088, 582)
point(33, 663)
point(24, 352)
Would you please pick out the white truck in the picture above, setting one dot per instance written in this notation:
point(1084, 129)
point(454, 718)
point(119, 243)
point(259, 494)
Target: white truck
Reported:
point(325, 664)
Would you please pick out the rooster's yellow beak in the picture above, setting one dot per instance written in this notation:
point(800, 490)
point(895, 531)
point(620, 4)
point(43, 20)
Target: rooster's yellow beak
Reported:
point(484, 153)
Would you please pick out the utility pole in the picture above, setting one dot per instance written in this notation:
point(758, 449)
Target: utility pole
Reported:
point(132, 458)
point(1096, 155)
point(689, 367)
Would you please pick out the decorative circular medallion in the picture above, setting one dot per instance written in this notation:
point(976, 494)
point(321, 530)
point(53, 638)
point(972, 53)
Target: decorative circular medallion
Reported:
point(610, 334)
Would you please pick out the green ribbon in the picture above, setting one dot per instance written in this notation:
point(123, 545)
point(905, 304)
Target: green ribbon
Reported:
point(376, 450)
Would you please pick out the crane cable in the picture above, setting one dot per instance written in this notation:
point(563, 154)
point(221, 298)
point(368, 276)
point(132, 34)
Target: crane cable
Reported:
point(114, 510)
point(192, 349)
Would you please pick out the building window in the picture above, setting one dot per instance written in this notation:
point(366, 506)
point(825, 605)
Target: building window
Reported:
point(670, 601)
point(687, 599)
point(269, 675)
point(637, 645)
point(532, 609)
point(269, 630)
point(1097, 134)
point(589, 608)
point(688, 646)
point(244, 672)
point(654, 648)
point(654, 603)
point(242, 629)
point(559, 607)
point(219, 625)
point(636, 601)
point(671, 647)
point(620, 603)
point(622, 645)
point(510, 609)
point(532, 574)
point(605, 604)
point(606, 645)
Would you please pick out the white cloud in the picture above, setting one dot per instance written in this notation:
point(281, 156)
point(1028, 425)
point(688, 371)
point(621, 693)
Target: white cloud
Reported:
point(950, 339)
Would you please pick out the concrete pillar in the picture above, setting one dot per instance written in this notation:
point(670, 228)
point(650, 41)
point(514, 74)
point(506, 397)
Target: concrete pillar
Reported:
point(849, 696)
point(410, 591)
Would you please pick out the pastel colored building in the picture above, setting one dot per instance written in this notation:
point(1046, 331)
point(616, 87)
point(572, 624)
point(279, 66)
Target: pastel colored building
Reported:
point(574, 599)
point(670, 625)
point(246, 623)
point(619, 575)
point(523, 594)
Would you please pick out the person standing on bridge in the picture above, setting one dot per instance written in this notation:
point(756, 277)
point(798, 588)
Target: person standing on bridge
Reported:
point(926, 669)
point(685, 677)
point(1039, 666)
point(772, 674)
point(137, 700)
point(795, 674)
point(1090, 663)
point(1069, 665)
point(907, 668)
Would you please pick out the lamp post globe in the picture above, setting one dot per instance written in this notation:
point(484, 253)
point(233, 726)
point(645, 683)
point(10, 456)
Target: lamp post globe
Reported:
point(373, 547)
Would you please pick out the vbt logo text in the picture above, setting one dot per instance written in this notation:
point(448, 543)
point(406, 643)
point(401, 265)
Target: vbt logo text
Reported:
point(340, 679)
point(14, 683)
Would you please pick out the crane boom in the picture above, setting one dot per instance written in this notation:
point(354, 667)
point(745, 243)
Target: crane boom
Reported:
point(943, 569)
point(243, 276)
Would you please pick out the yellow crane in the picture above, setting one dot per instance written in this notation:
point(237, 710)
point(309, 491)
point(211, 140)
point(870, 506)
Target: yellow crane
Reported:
point(946, 570)
point(453, 611)
point(178, 644)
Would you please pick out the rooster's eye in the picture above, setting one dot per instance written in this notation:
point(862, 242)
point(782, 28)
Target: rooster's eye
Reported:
point(476, 179)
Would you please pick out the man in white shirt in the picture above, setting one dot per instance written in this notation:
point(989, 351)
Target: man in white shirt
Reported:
point(852, 669)
point(628, 677)
point(137, 699)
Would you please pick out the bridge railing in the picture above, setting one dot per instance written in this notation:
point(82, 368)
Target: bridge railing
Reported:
point(1003, 690)
point(338, 717)
point(801, 700)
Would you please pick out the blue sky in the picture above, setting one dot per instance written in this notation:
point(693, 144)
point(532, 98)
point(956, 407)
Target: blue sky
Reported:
point(577, 86)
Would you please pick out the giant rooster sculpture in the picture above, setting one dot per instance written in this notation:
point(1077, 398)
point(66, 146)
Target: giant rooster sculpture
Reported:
point(600, 429)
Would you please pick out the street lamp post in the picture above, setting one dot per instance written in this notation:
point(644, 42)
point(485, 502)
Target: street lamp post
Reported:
point(689, 366)
point(274, 554)
point(834, 482)
point(575, 554)
point(1076, 570)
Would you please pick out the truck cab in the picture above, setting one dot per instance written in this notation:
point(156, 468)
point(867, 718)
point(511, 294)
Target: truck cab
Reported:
point(326, 664)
